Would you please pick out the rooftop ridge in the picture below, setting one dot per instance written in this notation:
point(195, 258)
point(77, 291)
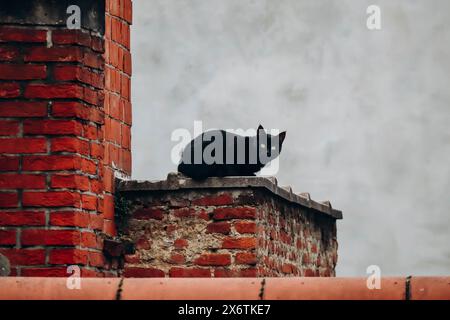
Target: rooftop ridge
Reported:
point(176, 181)
point(292, 288)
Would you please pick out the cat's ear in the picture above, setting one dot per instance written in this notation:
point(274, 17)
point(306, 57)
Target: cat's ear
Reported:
point(282, 136)
point(260, 127)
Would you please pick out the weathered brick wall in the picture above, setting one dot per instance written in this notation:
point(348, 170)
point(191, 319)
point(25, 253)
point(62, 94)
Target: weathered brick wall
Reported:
point(58, 142)
point(295, 241)
point(225, 231)
point(117, 142)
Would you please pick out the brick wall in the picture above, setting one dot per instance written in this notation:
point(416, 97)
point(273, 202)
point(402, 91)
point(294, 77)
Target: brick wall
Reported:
point(65, 117)
point(230, 227)
point(117, 142)
point(294, 241)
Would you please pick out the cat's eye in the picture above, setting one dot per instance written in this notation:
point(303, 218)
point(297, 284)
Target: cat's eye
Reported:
point(263, 146)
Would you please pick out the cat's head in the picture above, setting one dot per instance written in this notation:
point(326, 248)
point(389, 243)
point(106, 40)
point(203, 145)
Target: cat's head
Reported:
point(268, 146)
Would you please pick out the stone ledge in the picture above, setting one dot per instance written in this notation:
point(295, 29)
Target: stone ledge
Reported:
point(53, 13)
point(177, 181)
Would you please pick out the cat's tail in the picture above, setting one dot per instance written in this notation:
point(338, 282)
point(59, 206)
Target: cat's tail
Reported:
point(191, 171)
point(182, 168)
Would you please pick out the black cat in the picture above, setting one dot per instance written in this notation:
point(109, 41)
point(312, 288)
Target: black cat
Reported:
point(219, 153)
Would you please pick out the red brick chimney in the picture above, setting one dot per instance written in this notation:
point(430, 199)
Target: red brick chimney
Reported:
point(65, 118)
